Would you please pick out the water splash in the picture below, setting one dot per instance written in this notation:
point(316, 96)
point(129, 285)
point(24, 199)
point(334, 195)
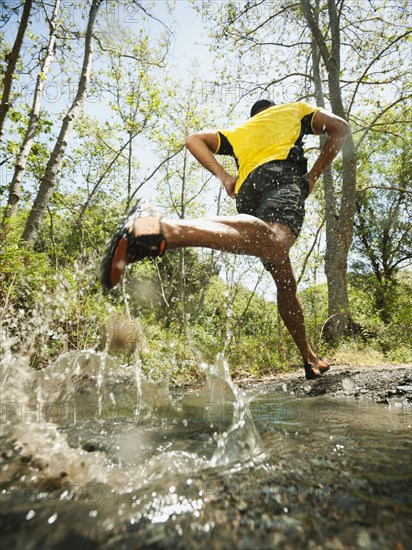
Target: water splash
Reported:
point(87, 418)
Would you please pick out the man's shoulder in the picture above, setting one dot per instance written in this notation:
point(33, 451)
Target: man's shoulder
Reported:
point(298, 108)
point(300, 104)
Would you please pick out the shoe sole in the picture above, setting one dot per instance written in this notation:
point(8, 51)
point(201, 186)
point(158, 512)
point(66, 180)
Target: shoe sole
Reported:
point(127, 245)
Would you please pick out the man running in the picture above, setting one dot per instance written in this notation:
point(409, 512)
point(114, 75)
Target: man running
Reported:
point(270, 189)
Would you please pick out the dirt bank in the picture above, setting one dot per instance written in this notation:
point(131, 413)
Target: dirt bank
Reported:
point(383, 383)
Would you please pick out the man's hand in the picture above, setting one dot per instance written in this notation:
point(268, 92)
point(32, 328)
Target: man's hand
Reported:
point(229, 183)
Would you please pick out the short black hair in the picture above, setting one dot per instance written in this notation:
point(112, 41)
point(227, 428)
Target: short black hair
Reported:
point(260, 105)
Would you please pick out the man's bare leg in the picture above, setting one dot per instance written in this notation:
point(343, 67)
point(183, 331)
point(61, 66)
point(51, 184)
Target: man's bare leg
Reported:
point(290, 308)
point(242, 234)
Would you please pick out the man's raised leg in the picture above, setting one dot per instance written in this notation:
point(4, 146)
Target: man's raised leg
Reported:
point(242, 234)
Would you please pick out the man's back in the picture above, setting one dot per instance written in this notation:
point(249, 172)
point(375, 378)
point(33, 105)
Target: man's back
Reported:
point(273, 134)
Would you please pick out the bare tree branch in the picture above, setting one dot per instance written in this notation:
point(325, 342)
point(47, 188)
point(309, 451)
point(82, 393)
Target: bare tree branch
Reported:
point(311, 249)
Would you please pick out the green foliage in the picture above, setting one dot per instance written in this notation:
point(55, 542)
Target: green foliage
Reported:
point(392, 338)
point(245, 326)
point(383, 241)
point(314, 301)
point(23, 273)
point(183, 288)
point(49, 306)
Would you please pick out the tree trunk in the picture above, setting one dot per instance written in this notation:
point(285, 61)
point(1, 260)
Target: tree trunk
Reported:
point(209, 270)
point(339, 231)
point(338, 323)
point(11, 65)
point(48, 182)
point(20, 167)
point(339, 217)
point(182, 266)
point(129, 170)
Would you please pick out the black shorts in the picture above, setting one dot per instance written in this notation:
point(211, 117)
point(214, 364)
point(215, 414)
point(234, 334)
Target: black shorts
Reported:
point(276, 192)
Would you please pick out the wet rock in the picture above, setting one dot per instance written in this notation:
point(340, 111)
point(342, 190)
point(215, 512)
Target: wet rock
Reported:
point(364, 540)
point(404, 389)
point(383, 400)
point(377, 383)
point(334, 544)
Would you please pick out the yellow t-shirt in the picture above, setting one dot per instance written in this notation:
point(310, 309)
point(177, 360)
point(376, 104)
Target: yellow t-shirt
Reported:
point(273, 134)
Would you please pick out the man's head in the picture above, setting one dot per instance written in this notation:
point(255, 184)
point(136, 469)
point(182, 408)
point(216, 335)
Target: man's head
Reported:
point(260, 106)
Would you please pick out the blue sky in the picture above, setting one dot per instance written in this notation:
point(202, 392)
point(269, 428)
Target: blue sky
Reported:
point(191, 40)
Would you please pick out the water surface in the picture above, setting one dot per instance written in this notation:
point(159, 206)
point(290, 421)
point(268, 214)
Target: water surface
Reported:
point(94, 453)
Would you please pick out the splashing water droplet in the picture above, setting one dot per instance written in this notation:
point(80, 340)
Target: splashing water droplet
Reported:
point(52, 519)
point(30, 514)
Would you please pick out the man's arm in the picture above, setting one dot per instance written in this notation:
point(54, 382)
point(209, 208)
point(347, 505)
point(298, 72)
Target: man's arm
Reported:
point(337, 129)
point(202, 146)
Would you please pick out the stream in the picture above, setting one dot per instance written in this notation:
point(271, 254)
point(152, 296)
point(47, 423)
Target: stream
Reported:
point(95, 454)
